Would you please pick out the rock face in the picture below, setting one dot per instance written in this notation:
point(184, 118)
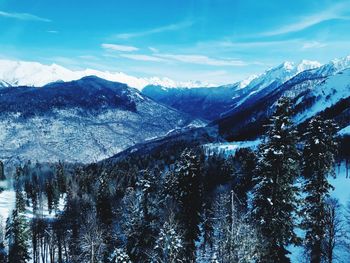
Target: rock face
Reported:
point(80, 121)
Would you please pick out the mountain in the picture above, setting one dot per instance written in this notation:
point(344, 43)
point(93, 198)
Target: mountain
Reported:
point(24, 73)
point(3, 84)
point(204, 103)
point(324, 90)
point(80, 121)
point(212, 103)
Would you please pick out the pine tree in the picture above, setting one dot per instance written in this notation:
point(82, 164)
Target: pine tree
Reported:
point(318, 163)
point(17, 232)
point(275, 196)
point(140, 218)
point(189, 198)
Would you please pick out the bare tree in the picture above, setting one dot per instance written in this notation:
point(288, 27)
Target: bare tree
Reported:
point(91, 239)
point(334, 230)
point(237, 240)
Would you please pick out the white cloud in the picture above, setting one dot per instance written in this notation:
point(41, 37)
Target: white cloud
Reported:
point(141, 57)
point(24, 16)
point(313, 44)
point(52, 31)
point(121, 48)
point(203, 60)
point(154, 50)
point(171, 27)
point(336, 12)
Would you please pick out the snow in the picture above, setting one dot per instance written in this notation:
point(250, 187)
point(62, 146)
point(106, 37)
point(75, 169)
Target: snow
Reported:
point(229, 148)
point(7, 203)
point(345, 131)
point(327, 93)
point(341, 192)
point(278, 75)
point(24, 73)
point(69, 136)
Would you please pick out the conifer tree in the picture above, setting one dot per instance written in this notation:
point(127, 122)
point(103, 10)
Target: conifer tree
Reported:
point(17, 232)
point(275, 196)
point(189, 198)
point(318, 163)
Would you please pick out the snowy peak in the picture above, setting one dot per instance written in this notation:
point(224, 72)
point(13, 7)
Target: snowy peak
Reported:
point(334, 66)
point(282, 73)
point(307, 65)
point(24, 73)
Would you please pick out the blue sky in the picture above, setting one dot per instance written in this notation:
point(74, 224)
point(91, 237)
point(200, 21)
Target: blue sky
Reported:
point(218, 41)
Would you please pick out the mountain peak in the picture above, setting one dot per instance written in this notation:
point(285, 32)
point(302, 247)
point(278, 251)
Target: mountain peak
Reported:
point(27, 73)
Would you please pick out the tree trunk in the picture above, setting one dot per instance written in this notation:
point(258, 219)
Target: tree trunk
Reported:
point(316, 252)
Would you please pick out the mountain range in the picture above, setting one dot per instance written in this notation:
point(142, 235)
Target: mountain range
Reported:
point(90, 119)
point(26, 73)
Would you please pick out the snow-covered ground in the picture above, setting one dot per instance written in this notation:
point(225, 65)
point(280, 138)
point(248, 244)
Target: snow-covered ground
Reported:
point(229, 148)
point(327, 94)
point(345, 131)
point(8, 202)
point(341, 192)
point(72, 137)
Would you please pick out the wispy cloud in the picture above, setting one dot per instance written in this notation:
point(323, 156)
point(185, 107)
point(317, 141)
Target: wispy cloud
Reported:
point(141, 57)
point(335, 12)
point(313, 44)
point(203, 60)
point(24, 16)
point(52, 31)
point(154, 50)
point(166, 28)
point(121, 48)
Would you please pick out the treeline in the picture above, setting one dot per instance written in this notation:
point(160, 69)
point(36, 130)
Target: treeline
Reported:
point(178, 205)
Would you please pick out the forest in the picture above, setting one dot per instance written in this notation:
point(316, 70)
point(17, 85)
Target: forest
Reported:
point(179, 204)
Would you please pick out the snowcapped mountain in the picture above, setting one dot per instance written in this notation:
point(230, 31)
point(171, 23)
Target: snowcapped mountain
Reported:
point(211, 103)
point(274, 77)
point(23, 73)
point(80, 121)
point(3, 84)
point(324, 90)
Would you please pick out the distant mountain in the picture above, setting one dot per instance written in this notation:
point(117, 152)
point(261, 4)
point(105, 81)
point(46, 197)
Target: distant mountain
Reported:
point(212, 103)
point(80, 121)
point(3, 84)
point(204, 103)
point(324, 90)
point(24, 73)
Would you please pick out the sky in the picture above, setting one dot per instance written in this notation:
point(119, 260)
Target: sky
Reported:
point(219, 41)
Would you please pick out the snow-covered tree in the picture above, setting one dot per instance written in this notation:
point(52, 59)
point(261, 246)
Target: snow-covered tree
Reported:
point(188, 195)
point(170, 244)
point(17, 232)
point(139, 214)
point(275, 195)
point(91, 239)
point(236, 239)
point(119, 256)
point(318, 164)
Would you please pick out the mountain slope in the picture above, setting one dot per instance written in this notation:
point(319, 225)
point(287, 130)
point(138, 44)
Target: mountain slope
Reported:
point(312, 92)
point(84, 121)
